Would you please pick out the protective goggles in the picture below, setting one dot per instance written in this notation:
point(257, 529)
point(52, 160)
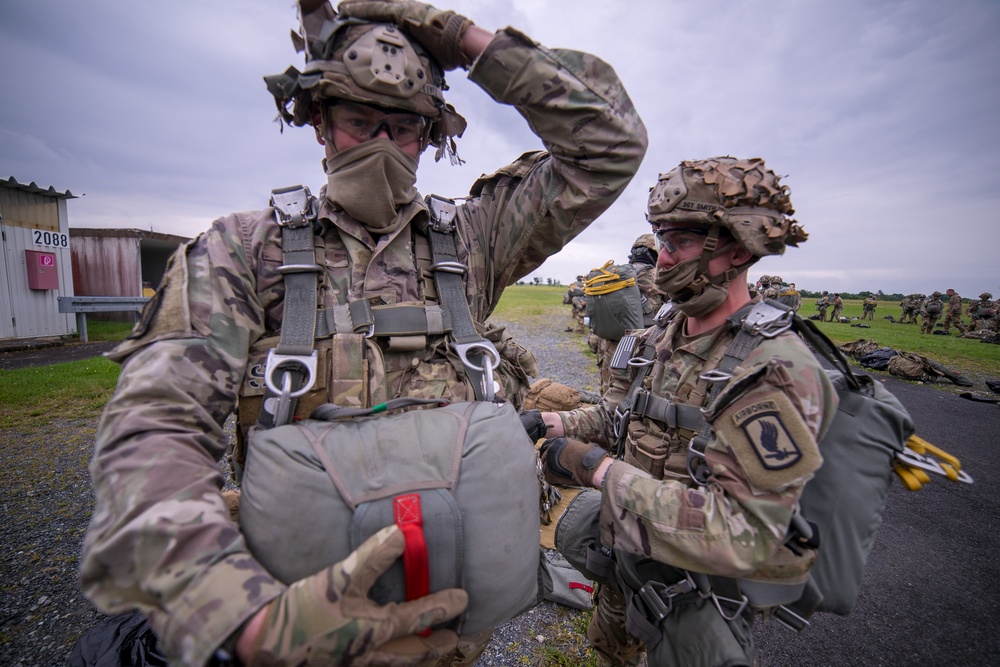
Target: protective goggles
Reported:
point(681, 241)
point(363, 122)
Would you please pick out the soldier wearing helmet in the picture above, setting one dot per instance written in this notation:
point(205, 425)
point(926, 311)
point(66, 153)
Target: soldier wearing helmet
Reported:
point(643, 259)
point(713, 219)
point(953, 313)
point(982, 312)
point(373, 91)
point(822, 304)
point(930, 311)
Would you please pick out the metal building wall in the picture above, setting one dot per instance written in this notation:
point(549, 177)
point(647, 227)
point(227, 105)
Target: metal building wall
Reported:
point(33, 221)
point(106, 266)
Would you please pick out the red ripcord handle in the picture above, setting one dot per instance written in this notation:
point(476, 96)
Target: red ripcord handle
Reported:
point(406, 510)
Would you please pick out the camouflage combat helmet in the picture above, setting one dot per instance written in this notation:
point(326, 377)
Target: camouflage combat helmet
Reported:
point(986, 296)
point(777, 280)
point(935, 294)
point(764, 280)
point(645, 241)
point(370, 63)
point(825, 292)
point(742, 196)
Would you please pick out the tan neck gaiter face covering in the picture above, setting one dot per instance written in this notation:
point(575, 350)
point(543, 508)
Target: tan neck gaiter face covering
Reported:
point(371, 181)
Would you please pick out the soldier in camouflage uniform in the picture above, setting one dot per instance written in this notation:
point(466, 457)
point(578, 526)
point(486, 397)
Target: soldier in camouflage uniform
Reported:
point(161, 539)
point(773, 289)
point(838, 307)
point(642, 257)
point(868, 307)
point(790, 297)
point(953, 312)
point(579, 303)
point(930, 311)
point(823, 304)
point(982, 312)
point(909, 309)
point(658, 521)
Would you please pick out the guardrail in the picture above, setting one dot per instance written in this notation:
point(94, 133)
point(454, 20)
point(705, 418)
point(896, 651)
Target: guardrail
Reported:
point(81, 305)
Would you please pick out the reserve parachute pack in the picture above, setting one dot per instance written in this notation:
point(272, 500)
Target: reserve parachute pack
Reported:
point(459, 479)
point(614, 302)
point(870, 438)
point(934, 307)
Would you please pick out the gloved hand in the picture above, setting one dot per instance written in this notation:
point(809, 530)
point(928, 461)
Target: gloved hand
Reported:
point(328, 618)
point(438, 31)
point(533, 424)
point(569, 462)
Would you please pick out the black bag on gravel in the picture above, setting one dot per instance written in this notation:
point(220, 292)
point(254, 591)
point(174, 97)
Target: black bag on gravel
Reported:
point(126, 640)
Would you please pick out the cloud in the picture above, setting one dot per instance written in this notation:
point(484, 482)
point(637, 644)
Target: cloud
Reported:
point(883, 117)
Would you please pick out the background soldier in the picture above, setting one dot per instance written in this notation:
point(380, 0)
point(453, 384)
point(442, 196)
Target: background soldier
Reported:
point(822, 305)
point(773, 289)
point(930, 312)
point(838, 307)
point(982, 312)
point(869, 304)
point(161, 538)
point(909, 309)
point(579, 303)
point(791, 297)
point(658, 521)
point(953, 313)
point(643, 259)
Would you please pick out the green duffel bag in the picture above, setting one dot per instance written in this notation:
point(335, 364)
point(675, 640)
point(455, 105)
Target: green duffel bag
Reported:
point(461, 478)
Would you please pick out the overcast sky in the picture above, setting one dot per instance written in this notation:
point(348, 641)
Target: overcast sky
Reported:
point(883, 116)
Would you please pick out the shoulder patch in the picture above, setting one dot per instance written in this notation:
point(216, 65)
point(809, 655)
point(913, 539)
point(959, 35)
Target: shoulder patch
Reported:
point(769, 439)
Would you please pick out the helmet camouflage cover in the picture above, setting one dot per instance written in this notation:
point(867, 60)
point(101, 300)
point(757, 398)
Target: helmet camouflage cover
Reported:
point(985, 295)
point(370, 63)
point(740, 195)
point(646, 241)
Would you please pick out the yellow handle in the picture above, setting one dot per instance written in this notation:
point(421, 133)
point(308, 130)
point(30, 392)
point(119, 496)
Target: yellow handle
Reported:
point(922, 447)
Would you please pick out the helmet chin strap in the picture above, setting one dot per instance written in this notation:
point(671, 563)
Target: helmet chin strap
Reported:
point(709, 251)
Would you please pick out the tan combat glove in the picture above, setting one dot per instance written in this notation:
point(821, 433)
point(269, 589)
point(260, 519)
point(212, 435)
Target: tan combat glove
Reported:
point(328, 619)
point(438, 31)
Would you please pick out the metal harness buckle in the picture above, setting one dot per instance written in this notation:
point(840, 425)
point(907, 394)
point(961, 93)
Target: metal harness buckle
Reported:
point(294, 207)
point(442, 214)
point(487, 384)
point(658, 598)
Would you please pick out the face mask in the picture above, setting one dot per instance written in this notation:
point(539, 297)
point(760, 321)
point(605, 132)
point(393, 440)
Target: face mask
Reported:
point(676, 281)
point(371, 181)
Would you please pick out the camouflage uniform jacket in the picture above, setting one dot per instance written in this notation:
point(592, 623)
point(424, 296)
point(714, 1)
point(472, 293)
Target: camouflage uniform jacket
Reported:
point(955, 305)
point(736, 524)
point(161, 538)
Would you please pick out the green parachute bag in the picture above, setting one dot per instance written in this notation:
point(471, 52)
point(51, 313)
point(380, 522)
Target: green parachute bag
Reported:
point(459, 480)
point(614, 302)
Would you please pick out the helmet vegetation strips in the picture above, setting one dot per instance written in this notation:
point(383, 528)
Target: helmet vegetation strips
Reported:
point(369, 63)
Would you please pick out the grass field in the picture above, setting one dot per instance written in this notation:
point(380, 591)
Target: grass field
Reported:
point(81, 388)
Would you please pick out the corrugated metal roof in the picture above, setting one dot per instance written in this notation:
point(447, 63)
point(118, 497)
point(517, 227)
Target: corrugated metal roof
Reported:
point(33, 188)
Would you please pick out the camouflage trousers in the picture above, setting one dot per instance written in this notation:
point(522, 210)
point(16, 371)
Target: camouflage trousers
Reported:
point(836, 314)
point(822, 314)
point(954, 320)
point(868, 313)
point(909, 317)
point(694, 634)
point(928, 325)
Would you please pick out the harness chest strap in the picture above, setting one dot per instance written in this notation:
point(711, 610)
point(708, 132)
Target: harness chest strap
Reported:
point(291, 366)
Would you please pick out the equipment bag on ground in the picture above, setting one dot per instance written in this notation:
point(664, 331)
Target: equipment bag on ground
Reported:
point(459, 479)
